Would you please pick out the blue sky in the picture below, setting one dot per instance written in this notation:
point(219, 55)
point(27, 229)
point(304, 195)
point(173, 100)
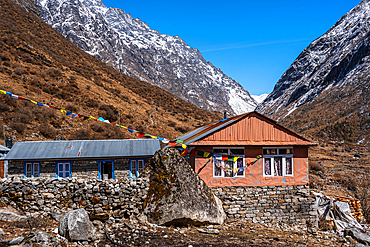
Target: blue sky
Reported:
point(253, 42)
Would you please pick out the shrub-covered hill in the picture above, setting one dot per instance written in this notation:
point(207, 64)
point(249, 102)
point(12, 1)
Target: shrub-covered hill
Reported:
point(37, 62)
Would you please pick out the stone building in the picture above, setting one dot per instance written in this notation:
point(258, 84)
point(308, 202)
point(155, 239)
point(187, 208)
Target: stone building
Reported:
point(274, 188)
point(97, 159)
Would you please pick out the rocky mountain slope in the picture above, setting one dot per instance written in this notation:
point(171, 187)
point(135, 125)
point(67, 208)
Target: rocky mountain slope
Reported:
point(38, 63)
point(325, 91)
point(130, 46)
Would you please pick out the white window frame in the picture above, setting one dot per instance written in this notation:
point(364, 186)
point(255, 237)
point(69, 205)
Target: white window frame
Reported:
point(234, 165)
point(32, 165)
point(63, 171)
point(272, 157)
point(134, 166)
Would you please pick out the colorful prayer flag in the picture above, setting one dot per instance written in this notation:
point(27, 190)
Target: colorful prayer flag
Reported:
point(184, 153)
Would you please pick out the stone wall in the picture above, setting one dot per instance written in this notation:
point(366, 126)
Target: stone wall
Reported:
point(290, 205)
point(99, 197)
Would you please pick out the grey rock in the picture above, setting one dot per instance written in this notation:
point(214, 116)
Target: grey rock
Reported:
point(177, 195)
point(16, 241)
point(208, 231)
point(2, 232)
point(40, 239)
point(76, 226)
point(58, 214)
point(356, 233)
point(11, 215)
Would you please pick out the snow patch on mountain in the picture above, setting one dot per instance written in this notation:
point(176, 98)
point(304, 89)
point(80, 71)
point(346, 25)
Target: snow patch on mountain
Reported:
point(130, 46)
point(329, 62)
point(260, 98)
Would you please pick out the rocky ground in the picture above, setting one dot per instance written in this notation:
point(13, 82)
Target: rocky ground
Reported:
point(137, 232)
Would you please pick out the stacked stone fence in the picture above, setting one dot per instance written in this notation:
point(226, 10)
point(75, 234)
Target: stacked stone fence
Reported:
point(290, 205)
point(100, 198)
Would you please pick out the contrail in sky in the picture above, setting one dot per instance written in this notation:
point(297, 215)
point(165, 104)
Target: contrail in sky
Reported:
point(235, 46)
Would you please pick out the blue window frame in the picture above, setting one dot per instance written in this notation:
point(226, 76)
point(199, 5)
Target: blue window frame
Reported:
point(63, 169)
point(135, 167)
point(31, 169)
point(106, 169)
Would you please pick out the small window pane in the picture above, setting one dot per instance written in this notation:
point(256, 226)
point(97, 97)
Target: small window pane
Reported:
point(270, 151)
point(229, 165)
point(36, 167)
point(221, 151)
point(285, 151)
point(236, 151)
point(268, 166)
point(29, 174)
point(289, 166)
point(217, 168)
point(29, 167)
point(67, 168)
point(278, 165)
point(141, 164)
point(239, 164)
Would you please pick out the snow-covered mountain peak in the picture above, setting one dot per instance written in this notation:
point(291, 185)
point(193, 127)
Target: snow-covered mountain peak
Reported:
point(326, 63)
point(129, 45)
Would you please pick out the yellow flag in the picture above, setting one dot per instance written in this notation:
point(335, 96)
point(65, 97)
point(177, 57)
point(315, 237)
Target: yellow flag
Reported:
point(64, 112)
point(36, 102)
point(154, 137)
point(91, 117)
point(206, 154)
point(183, 146)
point(236, 158)
point(2, 92)
point(236, 170)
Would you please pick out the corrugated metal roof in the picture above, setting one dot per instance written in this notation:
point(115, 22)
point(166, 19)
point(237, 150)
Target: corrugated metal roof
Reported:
point(250, 143)
point(195, 136)
point(82, 149)
point(205, 130)
point(3, 148)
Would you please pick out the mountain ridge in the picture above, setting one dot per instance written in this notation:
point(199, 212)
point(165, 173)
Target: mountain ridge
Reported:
point(325, 91)
point(38, 63)
point(130, 46)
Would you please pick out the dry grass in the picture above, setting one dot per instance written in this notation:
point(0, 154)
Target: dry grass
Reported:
point(39, 63)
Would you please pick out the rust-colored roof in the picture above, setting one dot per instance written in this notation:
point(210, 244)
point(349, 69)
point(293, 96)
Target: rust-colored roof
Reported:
point(250, 128)
point(250, 143)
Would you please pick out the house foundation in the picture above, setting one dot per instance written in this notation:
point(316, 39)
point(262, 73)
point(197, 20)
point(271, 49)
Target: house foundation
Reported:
point(290, 205)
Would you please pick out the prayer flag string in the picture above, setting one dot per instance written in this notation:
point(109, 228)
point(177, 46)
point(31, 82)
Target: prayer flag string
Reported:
point(100, 119)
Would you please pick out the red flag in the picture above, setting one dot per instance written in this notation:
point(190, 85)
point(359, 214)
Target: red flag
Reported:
point(184, 153)
point(172, 143)
point(141, 134)
point(193, 151)
point(224, 157)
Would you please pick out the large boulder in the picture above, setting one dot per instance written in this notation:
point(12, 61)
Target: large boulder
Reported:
point(177, 195)
point(76, 226)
